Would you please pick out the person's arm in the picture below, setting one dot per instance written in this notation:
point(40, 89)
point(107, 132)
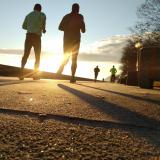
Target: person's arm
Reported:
point(62, 24)
point(44, 24)
point(24, 25)
point(83, 27)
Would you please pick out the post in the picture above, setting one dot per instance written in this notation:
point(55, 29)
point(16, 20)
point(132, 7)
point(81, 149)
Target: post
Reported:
point(138, 46)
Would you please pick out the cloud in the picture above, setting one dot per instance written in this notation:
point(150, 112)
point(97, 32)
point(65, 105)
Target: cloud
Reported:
point(11, 51)
point(108, 50)
point(100, 58)
point(19, 52)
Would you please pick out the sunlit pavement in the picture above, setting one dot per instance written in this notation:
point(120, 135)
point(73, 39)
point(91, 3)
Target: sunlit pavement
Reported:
point(114, 116)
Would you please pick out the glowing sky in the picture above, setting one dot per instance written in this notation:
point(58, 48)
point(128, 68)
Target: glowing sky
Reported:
point(107, 24)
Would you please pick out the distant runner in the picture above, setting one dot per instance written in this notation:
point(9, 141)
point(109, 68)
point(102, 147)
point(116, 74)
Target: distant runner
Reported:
point(96, 71)
point(113, 71)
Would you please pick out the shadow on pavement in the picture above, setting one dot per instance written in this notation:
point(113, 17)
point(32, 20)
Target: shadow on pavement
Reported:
point(124, 94)
point(119, 113)
point(14, 82)
point(146, 132)
point(68, 119)
point(124, 115)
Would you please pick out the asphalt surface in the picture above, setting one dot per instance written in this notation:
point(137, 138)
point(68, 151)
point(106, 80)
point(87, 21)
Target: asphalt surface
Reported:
point(53, 119)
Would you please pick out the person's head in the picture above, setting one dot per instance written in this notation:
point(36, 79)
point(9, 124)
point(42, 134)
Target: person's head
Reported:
point(97, 66)
point(75, 8)
point(113, 66)
point(37, 7)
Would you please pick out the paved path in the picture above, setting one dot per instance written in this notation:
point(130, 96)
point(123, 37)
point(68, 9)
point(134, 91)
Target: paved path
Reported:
point(51, 118)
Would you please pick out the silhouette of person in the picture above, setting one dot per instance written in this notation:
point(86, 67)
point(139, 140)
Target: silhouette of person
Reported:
point(35, 24)
point(96, 71)
point(72, 25)
point(113, 71)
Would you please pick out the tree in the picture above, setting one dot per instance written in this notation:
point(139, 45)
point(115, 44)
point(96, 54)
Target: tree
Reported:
point(129, 55)
point(149, 17)
point(146, 31)
point(148, 25)
point(128, 61)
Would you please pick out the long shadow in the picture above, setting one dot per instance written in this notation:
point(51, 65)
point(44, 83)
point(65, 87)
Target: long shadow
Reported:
point(15, 82)
point(124, 94)
point(119, 113)
point(124, 115)
point(142, 131)
point(71, 119)
point(6, 80)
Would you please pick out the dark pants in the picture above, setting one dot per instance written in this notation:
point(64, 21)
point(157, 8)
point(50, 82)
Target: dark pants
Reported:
point(32, 40)
point(113, 77)
point(95, 75)
point(70, 49)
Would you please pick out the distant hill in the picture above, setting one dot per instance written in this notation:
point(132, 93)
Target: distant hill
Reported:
point(11, 71)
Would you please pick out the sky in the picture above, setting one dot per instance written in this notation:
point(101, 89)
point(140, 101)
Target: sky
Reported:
point(107, 29)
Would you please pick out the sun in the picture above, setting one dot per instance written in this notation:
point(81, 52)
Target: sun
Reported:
point(50, 63)
point(52, 49)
